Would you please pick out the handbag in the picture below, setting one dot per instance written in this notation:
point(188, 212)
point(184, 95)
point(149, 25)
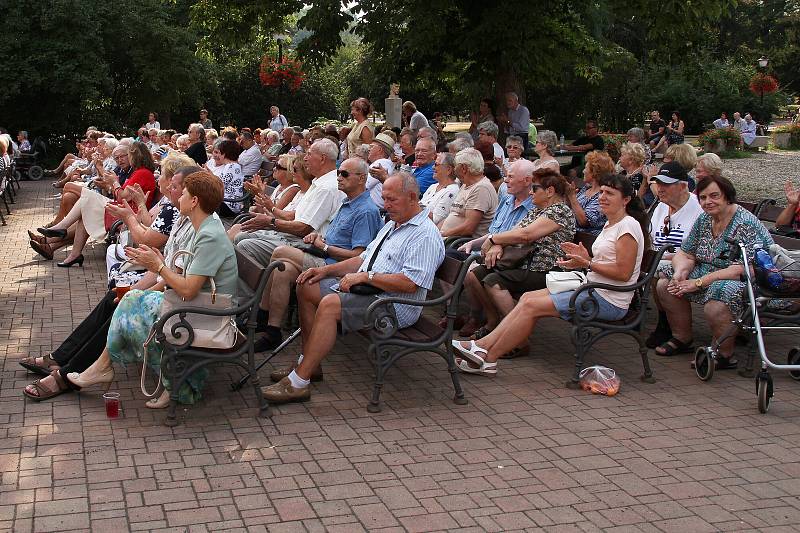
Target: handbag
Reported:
point(557, 281)
point(215, 332)
point(515, 256)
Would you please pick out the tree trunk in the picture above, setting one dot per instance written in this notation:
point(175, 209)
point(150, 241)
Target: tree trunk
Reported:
point(506, 81)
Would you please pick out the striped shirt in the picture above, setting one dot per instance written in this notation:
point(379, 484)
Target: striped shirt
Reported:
point(414, 249)
point(678, 225)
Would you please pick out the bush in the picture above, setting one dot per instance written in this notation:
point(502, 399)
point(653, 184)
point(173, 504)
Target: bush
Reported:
point(731, 136)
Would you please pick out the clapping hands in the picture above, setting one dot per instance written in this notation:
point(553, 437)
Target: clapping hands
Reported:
point(577, 256)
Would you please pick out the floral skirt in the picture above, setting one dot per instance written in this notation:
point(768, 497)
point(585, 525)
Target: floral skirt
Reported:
point(728, 291)
point(130, 327)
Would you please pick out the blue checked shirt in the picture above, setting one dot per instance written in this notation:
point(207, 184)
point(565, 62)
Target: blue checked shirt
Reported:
point(414, 249)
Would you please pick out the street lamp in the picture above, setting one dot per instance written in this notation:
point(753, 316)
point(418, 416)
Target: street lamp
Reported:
point(763, 61)
point(280, 38)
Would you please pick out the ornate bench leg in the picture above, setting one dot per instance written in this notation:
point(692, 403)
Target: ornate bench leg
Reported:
point(579, 338)
point(380, 356)
point(647, 377)
point(172, 418)
point(459, 398)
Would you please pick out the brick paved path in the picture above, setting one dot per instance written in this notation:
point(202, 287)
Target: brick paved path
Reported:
point(526, 453)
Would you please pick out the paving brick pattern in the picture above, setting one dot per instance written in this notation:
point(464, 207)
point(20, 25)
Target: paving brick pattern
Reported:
point(525, 454)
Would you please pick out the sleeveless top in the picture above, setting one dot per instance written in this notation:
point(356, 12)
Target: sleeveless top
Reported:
point(354, 137)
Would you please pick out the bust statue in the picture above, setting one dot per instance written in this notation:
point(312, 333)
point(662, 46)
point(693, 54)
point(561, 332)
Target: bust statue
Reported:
point(394, 90)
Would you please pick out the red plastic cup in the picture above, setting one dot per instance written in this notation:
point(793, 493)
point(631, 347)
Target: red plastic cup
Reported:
point(112, 404)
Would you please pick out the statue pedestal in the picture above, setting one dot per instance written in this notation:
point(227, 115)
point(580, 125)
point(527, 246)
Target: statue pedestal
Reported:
point(393, 107)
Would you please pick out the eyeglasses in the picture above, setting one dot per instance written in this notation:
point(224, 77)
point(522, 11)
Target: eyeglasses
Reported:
point(347, 174)
point(535, 187)
point(667, 227)
point(280, 167)
point(437, 164)
point(514, 147)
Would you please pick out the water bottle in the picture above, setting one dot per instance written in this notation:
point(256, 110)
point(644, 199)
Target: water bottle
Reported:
point(763, 260)
point(561, 141)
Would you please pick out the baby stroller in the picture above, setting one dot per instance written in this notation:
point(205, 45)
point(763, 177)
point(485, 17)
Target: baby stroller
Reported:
point(30, 163)
point(755, 319)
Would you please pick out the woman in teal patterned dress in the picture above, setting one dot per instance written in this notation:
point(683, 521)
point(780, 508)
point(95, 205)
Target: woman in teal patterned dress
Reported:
point(213, 257)
point(702, 272)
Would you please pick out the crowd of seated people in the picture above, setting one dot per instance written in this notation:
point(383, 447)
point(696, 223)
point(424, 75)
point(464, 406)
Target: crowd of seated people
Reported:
point(359, 212)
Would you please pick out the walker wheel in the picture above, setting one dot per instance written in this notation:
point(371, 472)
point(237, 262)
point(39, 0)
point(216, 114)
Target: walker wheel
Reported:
point(704, 363)
point(35, 173)
point(764, 391)
point(794, 359)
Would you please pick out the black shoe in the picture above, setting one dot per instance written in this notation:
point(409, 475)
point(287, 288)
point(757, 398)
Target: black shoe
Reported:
point(67, 264)
point(271, 339)
point(657, 338)
point(49, 232)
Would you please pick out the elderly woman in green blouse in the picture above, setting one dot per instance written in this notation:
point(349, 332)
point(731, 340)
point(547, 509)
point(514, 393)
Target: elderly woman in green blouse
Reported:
point(213, 257)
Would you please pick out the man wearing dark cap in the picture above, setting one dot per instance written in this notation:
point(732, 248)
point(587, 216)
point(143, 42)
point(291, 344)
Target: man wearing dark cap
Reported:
point(671, 223)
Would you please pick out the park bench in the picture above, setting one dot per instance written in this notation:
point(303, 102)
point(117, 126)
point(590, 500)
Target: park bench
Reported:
point(761, 141)
point(587, 329)
point(388, 343)
point(180, 361)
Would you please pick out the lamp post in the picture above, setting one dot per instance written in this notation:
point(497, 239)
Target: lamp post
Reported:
point(763, 61)
point(280, 38)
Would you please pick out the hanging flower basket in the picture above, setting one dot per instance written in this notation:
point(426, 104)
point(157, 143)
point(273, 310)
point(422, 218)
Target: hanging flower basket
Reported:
point(763, 84)
point(286, 71)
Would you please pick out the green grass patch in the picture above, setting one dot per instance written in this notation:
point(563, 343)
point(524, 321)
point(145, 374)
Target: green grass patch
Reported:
point(736, 154)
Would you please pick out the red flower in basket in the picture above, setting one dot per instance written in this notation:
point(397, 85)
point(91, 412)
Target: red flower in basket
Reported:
point(276, 73)
point(763, 84)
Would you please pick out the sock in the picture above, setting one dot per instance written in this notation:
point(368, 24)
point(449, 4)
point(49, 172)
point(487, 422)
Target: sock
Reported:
point(298, 382)
point(273, 332)
point(262, 317)
point(300, 359)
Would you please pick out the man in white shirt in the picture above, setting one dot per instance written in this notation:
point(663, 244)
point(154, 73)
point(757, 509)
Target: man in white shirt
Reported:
point(416, 120)
point(265, 231)
point(250, 159)
point(671, 222)
point(380, 166)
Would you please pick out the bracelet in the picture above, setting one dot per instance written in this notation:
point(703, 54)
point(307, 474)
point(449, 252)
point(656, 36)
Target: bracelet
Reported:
point(272, 222)
point(158, 272)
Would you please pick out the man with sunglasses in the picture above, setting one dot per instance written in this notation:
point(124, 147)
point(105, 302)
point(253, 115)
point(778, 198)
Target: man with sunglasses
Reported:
point(671, 223)
point(351, 230)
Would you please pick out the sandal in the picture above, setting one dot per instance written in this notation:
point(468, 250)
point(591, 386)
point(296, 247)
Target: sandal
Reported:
point(673, 347)
point(657, 338)
point(44, 393)
point(45, 369)
point(485, 369)
point(727, 363)
point(472, 353)
point(480, 333)
point(519, 351)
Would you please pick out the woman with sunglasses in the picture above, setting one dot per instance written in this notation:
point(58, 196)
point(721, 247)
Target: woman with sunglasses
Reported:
point(286, 189)
point(703, 272)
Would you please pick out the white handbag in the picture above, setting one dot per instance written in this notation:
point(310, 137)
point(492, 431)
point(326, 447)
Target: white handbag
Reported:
point(216, 332)
point(558, 281)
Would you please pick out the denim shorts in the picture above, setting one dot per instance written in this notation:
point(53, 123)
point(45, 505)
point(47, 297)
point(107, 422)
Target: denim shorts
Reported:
point(608, 311)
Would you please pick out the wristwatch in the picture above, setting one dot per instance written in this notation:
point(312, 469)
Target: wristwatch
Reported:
point(698, 283)
point(325, 248)
point(491, 239)
point(370, 275)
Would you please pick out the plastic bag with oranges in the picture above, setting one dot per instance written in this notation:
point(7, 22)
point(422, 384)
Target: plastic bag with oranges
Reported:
point(599, 380)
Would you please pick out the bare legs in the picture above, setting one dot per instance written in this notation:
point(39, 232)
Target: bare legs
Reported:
point(318, 323)
point(517, 326)
point(678, 310)
point(719, 319)
point(81, 236)
point(71, 194)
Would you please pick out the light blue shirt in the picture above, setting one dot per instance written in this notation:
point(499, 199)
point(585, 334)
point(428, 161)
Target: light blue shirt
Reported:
point(414, 249)
point(507, 216)
point(520, 119)
point(355, 224)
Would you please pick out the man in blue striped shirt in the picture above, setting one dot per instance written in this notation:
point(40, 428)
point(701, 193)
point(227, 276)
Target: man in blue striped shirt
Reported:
point(401, 261)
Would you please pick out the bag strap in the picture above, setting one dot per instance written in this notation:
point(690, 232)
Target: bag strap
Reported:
point(160, 385)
